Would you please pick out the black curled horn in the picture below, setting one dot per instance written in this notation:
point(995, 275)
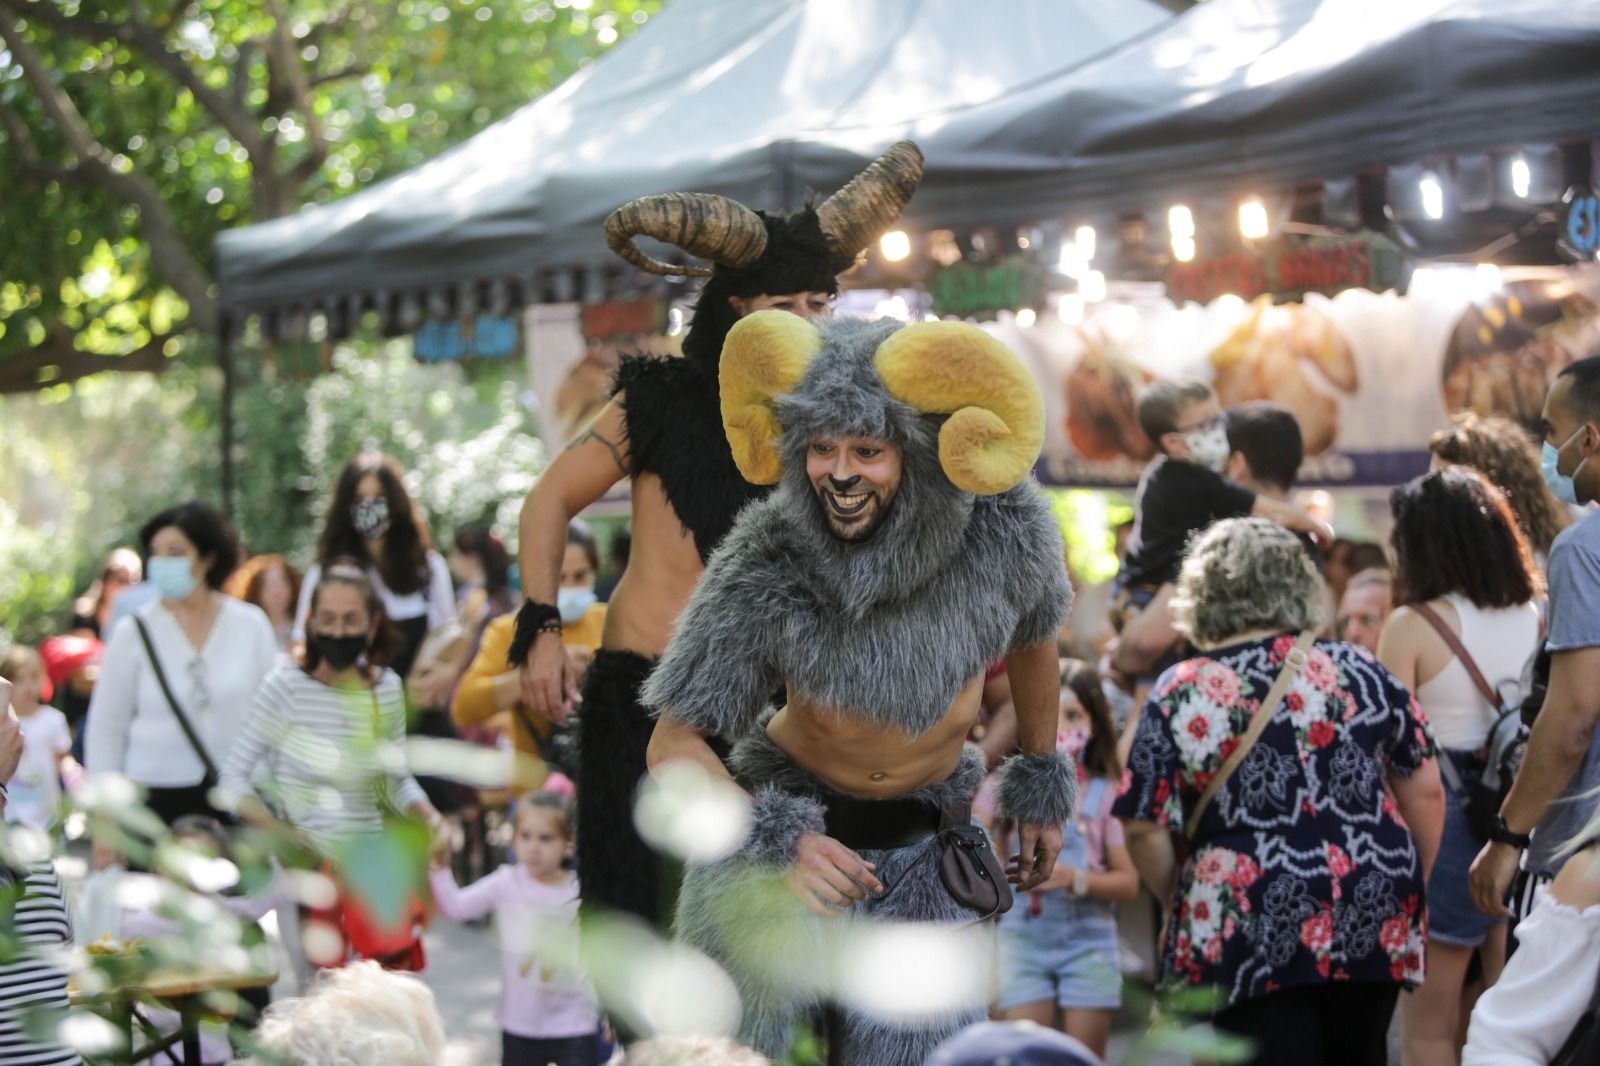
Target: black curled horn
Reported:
point(704, 225)
point(859, 213)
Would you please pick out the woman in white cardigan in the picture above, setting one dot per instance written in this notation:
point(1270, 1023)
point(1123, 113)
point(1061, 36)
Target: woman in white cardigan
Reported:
point(212, 650)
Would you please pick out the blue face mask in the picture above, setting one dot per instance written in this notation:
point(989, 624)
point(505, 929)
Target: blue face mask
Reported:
point(1562, 485)
point(172, 576)
point(574, 603)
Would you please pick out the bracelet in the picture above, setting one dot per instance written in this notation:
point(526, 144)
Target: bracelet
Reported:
point(533, 619)
point(1080, 882)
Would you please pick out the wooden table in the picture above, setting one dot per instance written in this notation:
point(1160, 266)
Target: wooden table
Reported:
point(180, 992)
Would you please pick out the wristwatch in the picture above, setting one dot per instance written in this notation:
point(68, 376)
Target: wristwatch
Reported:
point(1502, 834)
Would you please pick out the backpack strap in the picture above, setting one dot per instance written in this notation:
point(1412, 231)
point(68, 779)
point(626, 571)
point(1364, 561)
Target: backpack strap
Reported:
point(1459, 650)
point(1258, 725)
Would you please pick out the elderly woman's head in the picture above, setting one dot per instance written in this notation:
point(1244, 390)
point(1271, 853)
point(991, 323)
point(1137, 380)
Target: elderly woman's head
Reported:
point(1243, 575)
point(359, 1014)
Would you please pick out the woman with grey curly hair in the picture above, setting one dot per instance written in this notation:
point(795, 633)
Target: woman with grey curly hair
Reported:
point(1301, 898)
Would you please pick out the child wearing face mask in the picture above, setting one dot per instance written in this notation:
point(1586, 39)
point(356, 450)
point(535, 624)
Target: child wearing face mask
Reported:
point(1183, 491)
point(1060, 965)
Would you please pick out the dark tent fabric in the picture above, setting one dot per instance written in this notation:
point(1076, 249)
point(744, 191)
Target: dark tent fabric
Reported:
point(1241, 96)
point(712, 95)
point(1026, 111)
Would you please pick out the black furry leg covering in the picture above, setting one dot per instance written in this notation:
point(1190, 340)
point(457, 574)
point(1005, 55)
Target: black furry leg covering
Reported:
point(786, 960)
point(616, 869)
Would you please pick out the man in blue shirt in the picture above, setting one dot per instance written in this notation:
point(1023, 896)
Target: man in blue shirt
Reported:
point(1555, 791)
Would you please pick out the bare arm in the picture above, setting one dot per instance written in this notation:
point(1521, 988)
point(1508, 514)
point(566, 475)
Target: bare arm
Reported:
point(1150, 848)
point(1292, 518)
point(673, 741)
point(576, 478)
point(1560, 740)
point(1420, 799)
point(1000, 739)
point(1147, 636)
point(1118, 883)
point(1036, 695)
point(1398, 646)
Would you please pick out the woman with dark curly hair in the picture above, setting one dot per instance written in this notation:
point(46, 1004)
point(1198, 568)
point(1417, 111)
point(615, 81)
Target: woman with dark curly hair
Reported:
point(1301, 900)
point(374, 520)
point(1501, 451)
point(1460, 563)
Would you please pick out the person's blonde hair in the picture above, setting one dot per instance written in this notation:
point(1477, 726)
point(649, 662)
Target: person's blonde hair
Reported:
point(359, 1015)
point(1244, 574)
point(16, 657)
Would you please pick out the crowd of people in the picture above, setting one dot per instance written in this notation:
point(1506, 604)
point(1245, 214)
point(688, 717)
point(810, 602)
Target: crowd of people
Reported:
point(1284, 772)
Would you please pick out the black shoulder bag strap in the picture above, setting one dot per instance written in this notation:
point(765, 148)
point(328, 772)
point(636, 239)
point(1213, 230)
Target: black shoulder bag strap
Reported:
point(211, 777)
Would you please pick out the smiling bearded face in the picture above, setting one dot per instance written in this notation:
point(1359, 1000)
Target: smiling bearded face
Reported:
point(855, 479)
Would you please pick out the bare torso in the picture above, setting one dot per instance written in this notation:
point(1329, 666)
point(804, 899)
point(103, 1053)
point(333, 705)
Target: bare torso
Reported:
point(867, 760)
point(663, 567)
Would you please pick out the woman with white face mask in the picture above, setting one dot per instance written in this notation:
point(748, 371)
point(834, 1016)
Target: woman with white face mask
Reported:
point(373, 520)
point(491, 687)
point(179, 674)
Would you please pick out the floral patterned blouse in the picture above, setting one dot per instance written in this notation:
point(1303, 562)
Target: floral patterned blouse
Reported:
point(1302, 871)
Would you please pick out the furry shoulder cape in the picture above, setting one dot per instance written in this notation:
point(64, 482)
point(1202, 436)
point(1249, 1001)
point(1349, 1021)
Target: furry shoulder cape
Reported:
point(887, 631)
point(674, 428)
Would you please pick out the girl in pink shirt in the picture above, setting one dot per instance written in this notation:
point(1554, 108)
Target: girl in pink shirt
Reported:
point(548, 1013)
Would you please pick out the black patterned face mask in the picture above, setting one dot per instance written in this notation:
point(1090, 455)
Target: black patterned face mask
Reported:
point(370, 517)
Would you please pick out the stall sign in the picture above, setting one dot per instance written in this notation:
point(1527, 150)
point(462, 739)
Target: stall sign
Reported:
point(969, 289)
point(1580, 229)
point(483, 337)
point(1289, 267)
point(623, 318)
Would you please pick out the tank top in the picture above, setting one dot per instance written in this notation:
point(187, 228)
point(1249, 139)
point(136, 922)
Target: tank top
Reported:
point(1500, 640)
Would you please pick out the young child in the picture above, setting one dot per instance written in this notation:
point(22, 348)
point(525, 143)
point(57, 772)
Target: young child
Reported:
point(35, 790)
point(548, 1013)
point(1059, 962)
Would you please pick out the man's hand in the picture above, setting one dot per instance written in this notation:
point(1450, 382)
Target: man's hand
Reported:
point(549, 683)
point(10, 735)
point(1036, 858)
point(829, 877)
point(1491, 876)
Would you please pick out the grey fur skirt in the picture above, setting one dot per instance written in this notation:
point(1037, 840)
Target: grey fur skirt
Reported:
point(903, 970)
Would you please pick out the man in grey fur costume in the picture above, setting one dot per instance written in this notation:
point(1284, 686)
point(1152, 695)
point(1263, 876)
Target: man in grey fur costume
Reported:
point(904, 549)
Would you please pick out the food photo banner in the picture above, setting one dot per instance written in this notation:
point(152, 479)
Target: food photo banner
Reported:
point(1369, 375)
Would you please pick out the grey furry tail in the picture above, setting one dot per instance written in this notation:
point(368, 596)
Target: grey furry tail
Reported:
point(777, 823)
point(1038, 789)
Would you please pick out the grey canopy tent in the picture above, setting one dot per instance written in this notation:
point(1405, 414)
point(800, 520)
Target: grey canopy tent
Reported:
point(736, 97)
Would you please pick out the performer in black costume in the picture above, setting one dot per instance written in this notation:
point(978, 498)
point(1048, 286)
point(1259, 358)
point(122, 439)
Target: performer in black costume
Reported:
point(663, 431)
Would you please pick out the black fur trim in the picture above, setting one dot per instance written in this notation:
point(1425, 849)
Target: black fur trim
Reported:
point(531, 621)
point(617, 870)
point(674, 426)
point(1038, 789)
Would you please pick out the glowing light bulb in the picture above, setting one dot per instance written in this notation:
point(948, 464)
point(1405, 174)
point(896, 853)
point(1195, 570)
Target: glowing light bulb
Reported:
point(895, 245)
point(1083, 237)
point(1521, 177)
point(1180, 221)
point(1253, 223)
point(1432, 196)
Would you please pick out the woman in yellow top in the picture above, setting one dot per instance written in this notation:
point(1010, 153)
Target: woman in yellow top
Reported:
point(490, 689)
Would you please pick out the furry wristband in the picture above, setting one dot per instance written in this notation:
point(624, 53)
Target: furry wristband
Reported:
point(777, 822)
point(1038, 789)
point(534, 618)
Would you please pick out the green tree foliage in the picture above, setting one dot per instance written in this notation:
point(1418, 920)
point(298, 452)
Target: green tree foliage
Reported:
point(133, 131)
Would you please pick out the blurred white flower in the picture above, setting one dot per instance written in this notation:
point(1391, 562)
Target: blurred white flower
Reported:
point(691, 815)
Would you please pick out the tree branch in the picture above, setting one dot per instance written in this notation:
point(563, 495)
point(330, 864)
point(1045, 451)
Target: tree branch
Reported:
point(21, 372)
point(21, 138)
point(168, 250)
point(354, 70)
point(281, 45)
point(149, 42)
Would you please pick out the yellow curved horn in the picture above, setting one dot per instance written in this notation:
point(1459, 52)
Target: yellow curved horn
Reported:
point(764, 356)
point(996, 425)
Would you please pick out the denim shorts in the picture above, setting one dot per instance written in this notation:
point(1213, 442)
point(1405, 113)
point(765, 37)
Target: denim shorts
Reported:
point(1067, 954)
point(1453, 919)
